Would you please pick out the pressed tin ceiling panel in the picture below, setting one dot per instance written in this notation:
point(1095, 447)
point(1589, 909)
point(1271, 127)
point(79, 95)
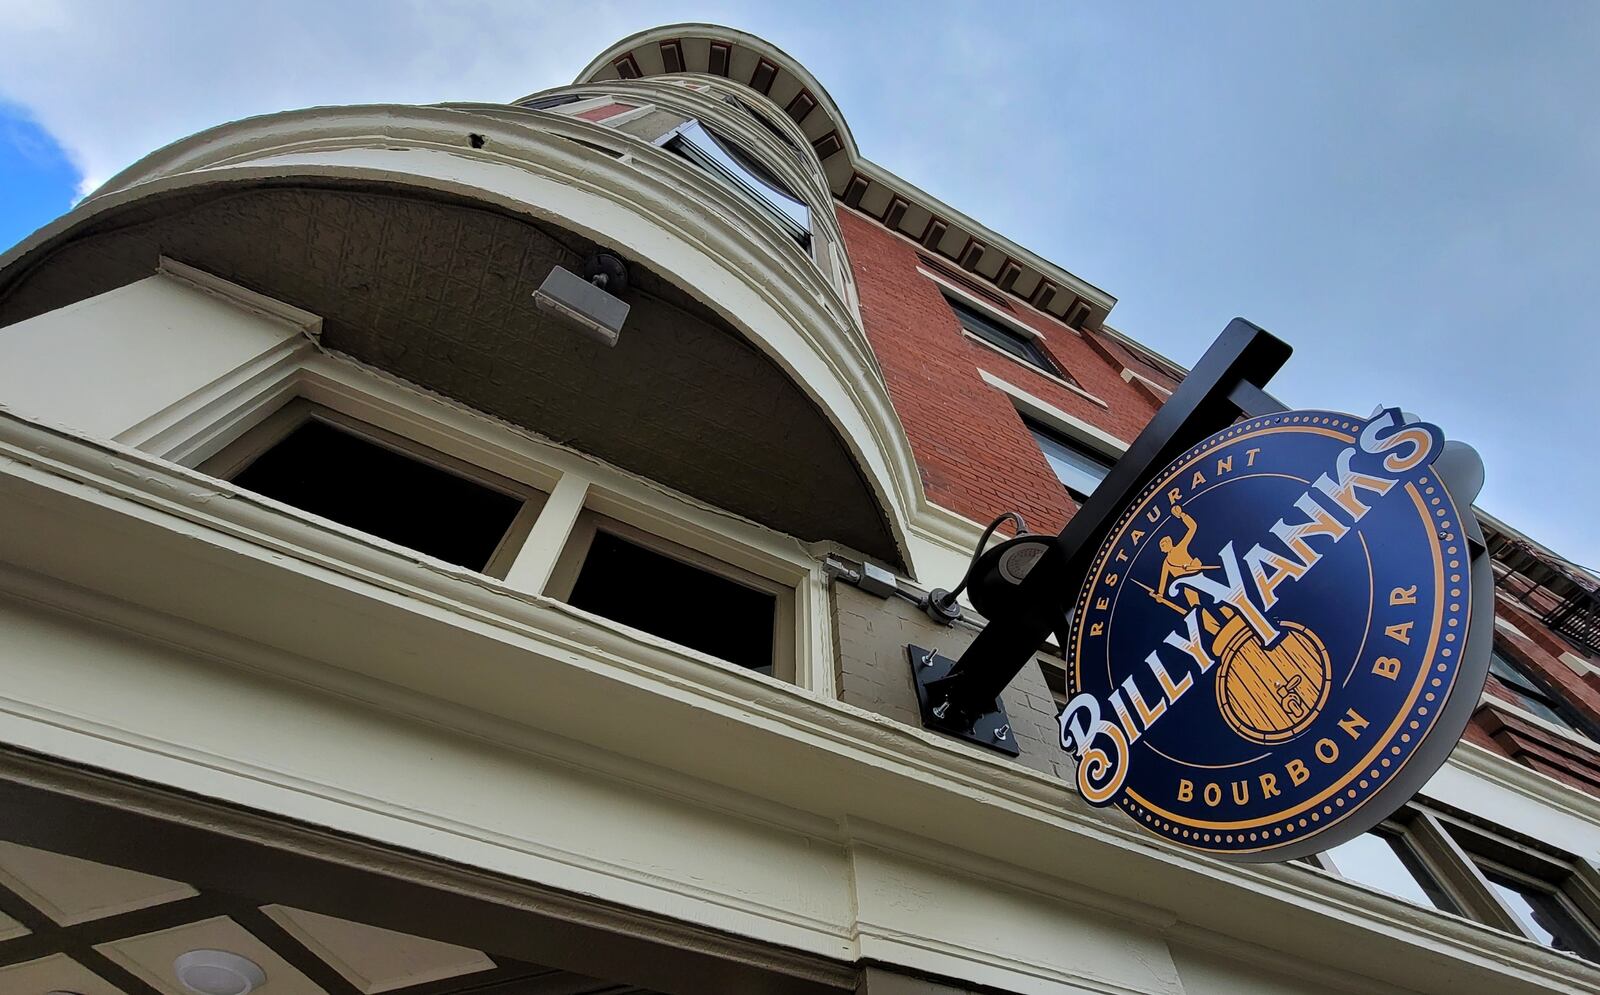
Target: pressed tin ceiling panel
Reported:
point(439, 292)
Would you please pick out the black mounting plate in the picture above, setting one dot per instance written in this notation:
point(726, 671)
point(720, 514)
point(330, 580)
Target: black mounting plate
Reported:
point(992, 729)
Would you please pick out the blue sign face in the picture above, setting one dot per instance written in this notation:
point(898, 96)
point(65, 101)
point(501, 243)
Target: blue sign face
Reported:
point(1270, 634)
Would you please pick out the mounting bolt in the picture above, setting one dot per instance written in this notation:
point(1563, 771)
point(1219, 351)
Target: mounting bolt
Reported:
point(941, 606)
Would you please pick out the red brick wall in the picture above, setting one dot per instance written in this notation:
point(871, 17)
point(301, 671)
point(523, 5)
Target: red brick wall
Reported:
point(976, 456)
point(1536, 651)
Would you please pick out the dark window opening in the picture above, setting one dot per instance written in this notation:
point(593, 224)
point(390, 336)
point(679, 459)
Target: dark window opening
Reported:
point(762, 120)
point(1079, 470)
point(351, 480)
point(1002, 337)
point(639, 587)
point(955, 276)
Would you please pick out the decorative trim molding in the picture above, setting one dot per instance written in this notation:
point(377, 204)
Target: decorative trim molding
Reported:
point(1057, 419)
point(865, 766)
point(309, 324)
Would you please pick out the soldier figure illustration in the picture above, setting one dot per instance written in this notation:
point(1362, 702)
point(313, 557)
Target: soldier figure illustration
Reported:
point(1266, 695)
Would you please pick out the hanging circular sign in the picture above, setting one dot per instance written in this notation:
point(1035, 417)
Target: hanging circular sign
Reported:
point(1264, 651)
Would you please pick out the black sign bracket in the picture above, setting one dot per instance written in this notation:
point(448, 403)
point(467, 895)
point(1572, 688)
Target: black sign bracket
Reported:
point(1228, 382)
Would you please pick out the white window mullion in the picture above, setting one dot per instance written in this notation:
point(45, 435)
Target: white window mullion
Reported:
point(1461, 876)
point(531, 570)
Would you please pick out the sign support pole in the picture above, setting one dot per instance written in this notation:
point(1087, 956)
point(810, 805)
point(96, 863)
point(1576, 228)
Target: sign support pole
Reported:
point(1226, 383)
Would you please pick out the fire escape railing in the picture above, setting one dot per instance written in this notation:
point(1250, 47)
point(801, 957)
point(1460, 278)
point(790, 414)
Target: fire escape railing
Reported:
point(1558, 593)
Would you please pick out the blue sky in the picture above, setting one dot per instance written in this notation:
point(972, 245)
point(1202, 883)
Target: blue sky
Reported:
point(1408, 193)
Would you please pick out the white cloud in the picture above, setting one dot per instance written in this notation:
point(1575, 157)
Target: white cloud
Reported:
point(114, 81)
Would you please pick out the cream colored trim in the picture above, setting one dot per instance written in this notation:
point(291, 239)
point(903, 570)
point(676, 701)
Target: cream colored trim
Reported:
point(688, 226)
point(1577, 664)
point(1038, 370)
point(1141, 350)
point(233, 458)
point(1129, 376)
point(989, 310)
point(576, 107)
point(840, 205)
point(253, 383)
point(617, 691)
point(448, 959)
point(558, 483)
point(624, 117)
point(530, 571)
point(270, 307)
point(1531, 788)
point(1069, 425)
point(570, 564)
point(1068, 282)
point(1544, 724)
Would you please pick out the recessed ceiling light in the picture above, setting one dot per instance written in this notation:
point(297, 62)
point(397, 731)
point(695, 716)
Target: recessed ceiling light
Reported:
point(218, 972)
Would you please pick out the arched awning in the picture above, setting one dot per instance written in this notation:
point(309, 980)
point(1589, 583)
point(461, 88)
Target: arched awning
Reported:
point(421, 272)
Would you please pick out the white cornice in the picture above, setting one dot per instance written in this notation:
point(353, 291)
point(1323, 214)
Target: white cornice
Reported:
point(1538, 789)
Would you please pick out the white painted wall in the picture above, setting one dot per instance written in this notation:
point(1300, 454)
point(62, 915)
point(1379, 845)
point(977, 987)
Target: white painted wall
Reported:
point(104, 365)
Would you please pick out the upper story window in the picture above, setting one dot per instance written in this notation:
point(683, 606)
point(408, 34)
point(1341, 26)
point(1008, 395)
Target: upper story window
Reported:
point(1003, 337)
point(1079, 468)
point(744, 173)
point(1543, 912)
point(1535, 893)
point(1530, 695)
point(1385, 860)
point(1443, 861)
point(325, 463)
point(627, 575)
point(553, 100)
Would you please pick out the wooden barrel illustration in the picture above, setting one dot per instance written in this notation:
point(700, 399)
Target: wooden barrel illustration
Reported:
point(1271, 695)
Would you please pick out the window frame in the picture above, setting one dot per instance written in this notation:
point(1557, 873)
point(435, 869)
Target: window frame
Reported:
point(1456, 853)
point(232, 459)
point(1033, 352)
point(677, 142)
point(1402, 827)
point(1477, 848)
point(206, 423)
point(568, 565)
point(1037, 428)
point(1531, 689)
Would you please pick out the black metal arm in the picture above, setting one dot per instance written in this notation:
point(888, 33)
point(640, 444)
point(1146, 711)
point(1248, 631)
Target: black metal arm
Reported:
point(1226, 383)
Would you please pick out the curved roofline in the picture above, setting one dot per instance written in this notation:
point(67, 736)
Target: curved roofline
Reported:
point(856, 182)
point(761, 46)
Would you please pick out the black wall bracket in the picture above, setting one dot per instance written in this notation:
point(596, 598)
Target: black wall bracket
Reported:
point(992, 728)
point(1225, 384)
